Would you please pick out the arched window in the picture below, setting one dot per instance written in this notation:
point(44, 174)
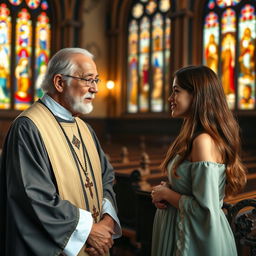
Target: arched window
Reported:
point(24, 51)
point(149, 31)
point(229, 48)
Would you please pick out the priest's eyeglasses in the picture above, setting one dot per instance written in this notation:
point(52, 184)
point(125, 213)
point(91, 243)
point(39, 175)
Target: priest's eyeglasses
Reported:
point(88, 82)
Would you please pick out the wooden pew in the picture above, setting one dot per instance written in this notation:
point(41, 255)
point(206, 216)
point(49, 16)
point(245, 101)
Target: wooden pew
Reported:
point(145, 218)
point(134, 190)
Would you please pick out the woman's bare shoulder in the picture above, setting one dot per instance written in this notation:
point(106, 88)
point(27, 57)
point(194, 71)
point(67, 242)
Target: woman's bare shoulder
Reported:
point(204, 149)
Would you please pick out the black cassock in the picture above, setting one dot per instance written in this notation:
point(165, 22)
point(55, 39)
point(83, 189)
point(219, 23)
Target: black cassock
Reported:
point(34, 220)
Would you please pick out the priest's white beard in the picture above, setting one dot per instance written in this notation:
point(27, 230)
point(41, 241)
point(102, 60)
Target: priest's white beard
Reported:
point(78, 105)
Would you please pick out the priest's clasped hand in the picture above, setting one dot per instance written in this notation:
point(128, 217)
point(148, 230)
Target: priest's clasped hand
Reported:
point(100, 238)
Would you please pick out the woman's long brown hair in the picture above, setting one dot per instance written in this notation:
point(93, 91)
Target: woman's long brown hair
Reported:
point(209, 113)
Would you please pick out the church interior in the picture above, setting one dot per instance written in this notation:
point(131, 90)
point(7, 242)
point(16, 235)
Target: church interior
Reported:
point(137, 46)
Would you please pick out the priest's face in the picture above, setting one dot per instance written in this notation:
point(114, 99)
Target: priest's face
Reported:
point(81, 86)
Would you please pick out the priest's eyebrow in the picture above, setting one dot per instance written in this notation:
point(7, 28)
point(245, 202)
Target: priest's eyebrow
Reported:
point(90, 74)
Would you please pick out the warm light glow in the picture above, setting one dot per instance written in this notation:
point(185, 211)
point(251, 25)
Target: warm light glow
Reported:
point(110, 84)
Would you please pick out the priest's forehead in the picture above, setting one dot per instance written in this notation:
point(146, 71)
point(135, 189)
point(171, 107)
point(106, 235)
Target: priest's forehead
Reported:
point(84, 65)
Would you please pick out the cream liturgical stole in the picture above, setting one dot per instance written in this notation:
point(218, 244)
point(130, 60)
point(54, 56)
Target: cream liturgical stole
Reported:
point(74, 159)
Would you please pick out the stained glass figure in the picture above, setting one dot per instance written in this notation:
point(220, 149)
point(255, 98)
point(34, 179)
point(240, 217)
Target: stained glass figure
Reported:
point(5, 51)
point(157, 64)
point(228, 43)
point(246, 78)
point(15, 2)
point(167, 61)
point(211, 39)
point(33, 4)
point(42, 50)
point(133, 68)
point(144, 63)
point(23, 50)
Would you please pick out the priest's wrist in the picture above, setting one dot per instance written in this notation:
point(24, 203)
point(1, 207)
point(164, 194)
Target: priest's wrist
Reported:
point(108, 220)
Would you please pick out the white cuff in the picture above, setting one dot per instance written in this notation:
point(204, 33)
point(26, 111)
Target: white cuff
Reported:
point(80, 235)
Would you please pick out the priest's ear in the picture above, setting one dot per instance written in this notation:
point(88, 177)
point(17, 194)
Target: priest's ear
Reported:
point(58, 83)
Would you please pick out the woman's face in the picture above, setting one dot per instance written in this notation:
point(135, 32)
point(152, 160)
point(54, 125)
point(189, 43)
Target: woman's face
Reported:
point(180, 100)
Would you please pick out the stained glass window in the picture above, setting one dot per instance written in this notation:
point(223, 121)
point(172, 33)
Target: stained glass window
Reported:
point(246, 59)
point(148, 56)
point(24, 51)
point(211, 39)
point(225, 3)
point(15, 2)
point(5, 52)
point(151, 6)
point(228, 42)
point(229, 49)
point(137, 10)
point(167, 61)
point(23, 60)
point(144, 63)
point(211, 4)
point(133, 67)
point(33, 4)
point(42, 50)
point(164, 5)
point(157, 64)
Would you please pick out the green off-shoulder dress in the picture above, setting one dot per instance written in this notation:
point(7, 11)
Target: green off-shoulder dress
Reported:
point(198, 227)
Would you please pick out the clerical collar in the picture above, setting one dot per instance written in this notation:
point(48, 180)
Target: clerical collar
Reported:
point(56, 108)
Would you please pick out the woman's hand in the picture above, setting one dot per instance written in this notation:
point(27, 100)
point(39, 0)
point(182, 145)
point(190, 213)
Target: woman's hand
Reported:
point(162, 195)
point(161, 205)
point(158, 195)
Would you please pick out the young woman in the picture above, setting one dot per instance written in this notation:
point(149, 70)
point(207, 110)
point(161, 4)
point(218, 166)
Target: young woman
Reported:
point(203, 167)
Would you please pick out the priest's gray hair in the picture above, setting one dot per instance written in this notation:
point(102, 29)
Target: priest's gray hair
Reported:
point(61, 63)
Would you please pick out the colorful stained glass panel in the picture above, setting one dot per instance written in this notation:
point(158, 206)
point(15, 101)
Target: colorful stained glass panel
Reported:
point(133, 37)
point(137, 10)
point(211, 41)
point(5, 52)
point(144, 64)
point(228, 23)
point(246, 58)
point(157, 64)
point(144, 82)
point(228, 46)
point(226, 3)
point(132, 84)
point(167, 61)
point(133, 68)
point(164, 5)
point(23, 96)
point(44, 5)
point(148, 56)
point(157, 90)
point(211, 4)
point(15, 2)
point(144, 35)
point(151, 6)
point(33, 4)
point(42, 50)
point(157, 33)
